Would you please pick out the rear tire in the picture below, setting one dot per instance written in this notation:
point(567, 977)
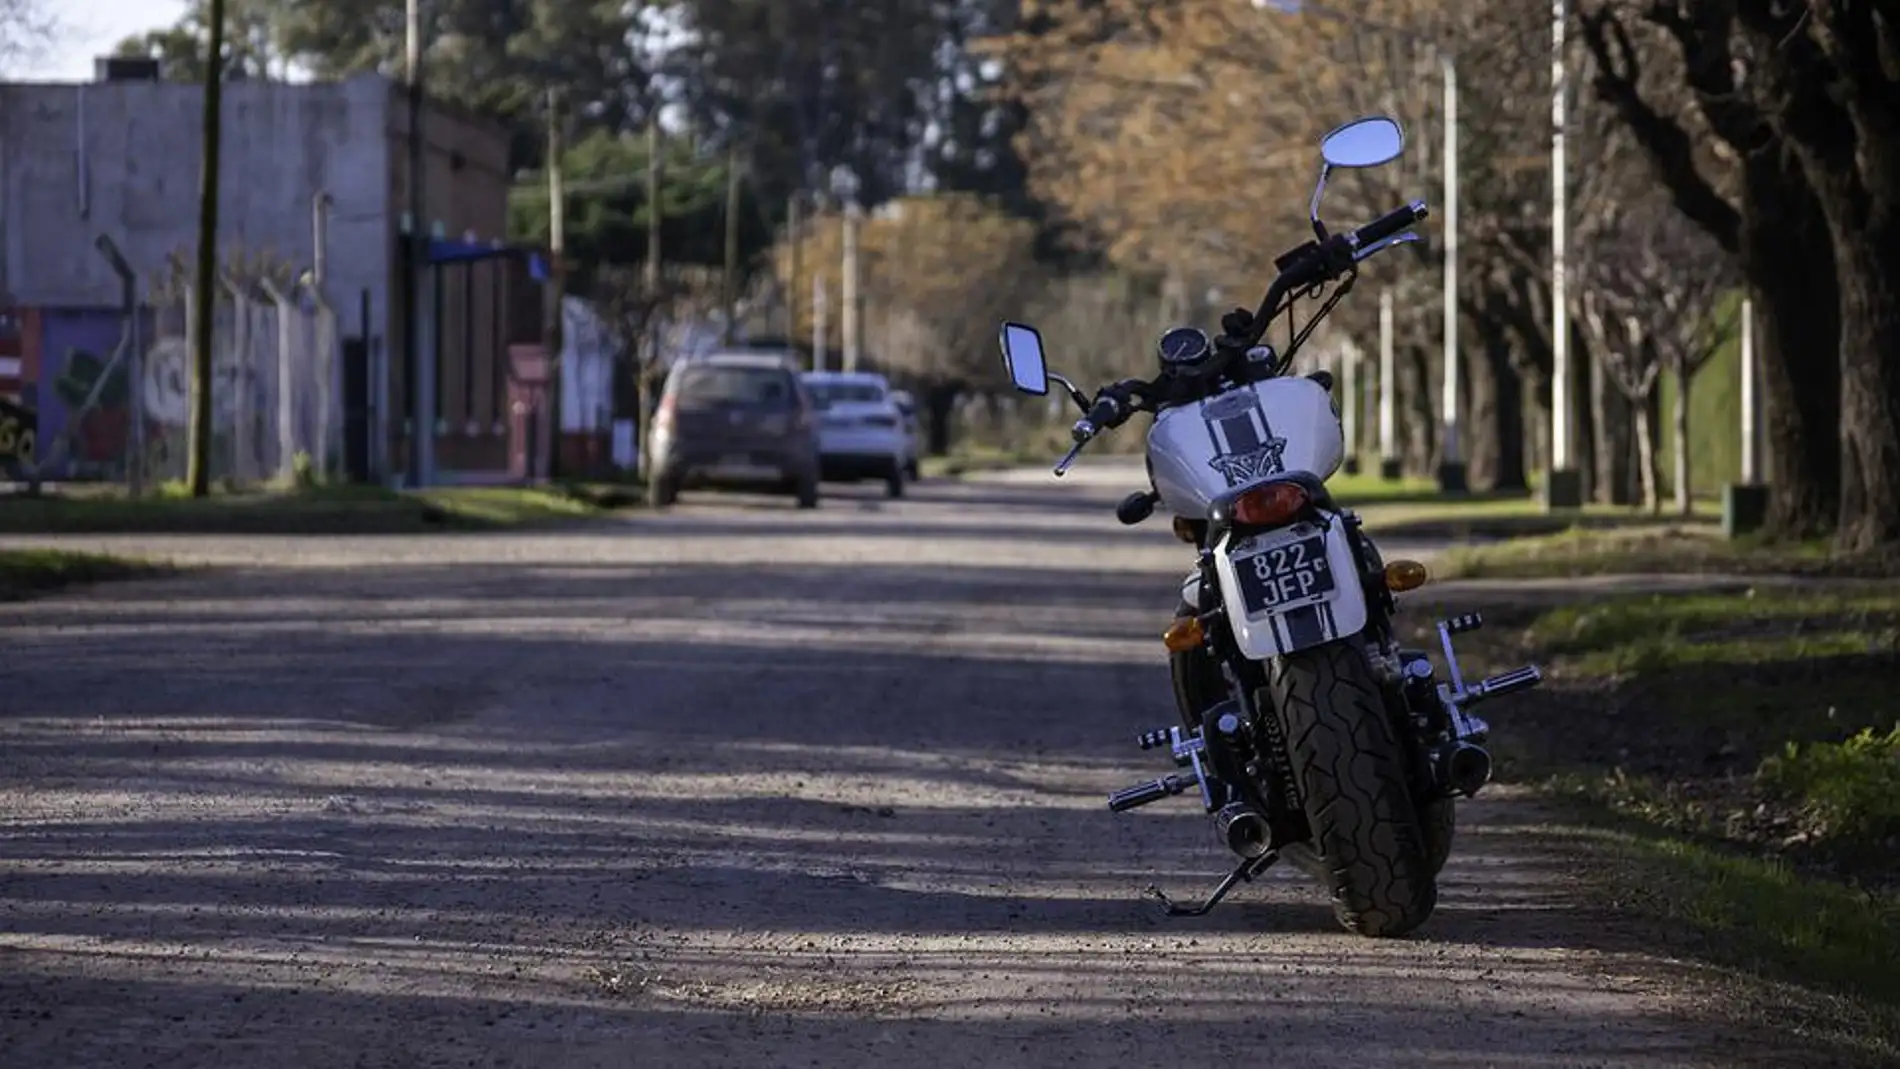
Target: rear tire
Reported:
point(894, 481)
point(808, 493)
point(1440, 824)
point(1353, 783)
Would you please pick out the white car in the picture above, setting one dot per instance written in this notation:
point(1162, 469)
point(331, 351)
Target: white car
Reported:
point(861, 433)
point(913, 431)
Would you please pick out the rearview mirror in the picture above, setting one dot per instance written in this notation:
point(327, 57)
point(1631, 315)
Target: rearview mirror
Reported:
point(1022, 358)
point(1366, 142)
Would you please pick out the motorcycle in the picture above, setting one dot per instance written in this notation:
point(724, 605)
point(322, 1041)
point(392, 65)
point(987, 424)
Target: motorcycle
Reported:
point(1306, 730)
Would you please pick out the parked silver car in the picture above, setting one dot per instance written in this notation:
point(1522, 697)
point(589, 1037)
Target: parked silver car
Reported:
point(913, 430)
point(734, 420)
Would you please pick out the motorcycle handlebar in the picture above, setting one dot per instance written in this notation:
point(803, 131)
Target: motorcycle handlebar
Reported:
point(1319, 262)
point(1389, 224)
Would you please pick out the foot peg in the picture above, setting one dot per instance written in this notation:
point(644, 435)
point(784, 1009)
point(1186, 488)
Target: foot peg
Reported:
point(1246, 870)
point(1153, 791)
point(1509, 683)
point(1457, 693)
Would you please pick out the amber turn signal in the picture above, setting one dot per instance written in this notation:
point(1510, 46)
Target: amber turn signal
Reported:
point(1184, 529)
point(1184, 635)
point(1403, 575)
point(1270, 505)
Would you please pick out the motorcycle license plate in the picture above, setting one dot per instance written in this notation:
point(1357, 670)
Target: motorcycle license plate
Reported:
point(1283, 575)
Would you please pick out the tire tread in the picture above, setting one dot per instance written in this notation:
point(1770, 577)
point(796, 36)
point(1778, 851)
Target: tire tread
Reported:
point(1356, 794)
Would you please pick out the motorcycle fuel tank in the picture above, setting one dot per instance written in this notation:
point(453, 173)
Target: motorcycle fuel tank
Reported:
point(1198, 452)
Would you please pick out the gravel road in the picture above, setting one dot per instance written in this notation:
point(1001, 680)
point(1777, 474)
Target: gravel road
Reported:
point(734, 785)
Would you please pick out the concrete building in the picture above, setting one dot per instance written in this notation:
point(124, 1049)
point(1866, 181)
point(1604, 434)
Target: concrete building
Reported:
point(121, 157)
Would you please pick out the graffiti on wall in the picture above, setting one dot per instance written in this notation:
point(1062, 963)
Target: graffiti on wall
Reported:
point(78, 400)
point(19, 423)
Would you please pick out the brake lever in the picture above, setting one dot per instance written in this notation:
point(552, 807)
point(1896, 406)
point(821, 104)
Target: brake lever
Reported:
point(1062, 466)
point(1380, 246)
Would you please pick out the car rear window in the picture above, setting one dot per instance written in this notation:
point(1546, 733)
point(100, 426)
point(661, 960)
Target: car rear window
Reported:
point(762, 387)
point(826, 394)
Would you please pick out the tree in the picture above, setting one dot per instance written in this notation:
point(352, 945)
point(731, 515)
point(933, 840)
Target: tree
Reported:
point(1832, 70)
point(1755, 199)
point(1648, 300)
point(25, 28)
point(249, 48)
point(1180, 139)
point(834, 95)
point(940, 272)
point(495, 56)
point(607, 213)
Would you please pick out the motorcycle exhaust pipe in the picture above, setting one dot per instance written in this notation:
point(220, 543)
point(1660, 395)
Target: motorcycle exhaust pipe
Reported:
point(1464, 768)
point(1244, 830)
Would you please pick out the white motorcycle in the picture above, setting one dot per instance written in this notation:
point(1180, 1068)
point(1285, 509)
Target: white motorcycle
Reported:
point(1305, 728)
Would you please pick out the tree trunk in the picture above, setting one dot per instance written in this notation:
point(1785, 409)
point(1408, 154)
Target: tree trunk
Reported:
point(1418, 418)
point(1496, 457)
point(940, 404)
point(1583, 426)
point(1680, 420)
point(1647, 463)
point(1609, 415)
point(1788, 258)
point(1868, 260)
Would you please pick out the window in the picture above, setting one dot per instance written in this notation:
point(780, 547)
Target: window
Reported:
point(762, 387)
point(826, 394)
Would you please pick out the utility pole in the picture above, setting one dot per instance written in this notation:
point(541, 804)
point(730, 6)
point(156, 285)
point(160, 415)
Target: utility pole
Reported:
point(556, 321)
point(1389, 467)
point(1451, 462)
point(1349, 402)
point(731, 280)
point(320, 205)
point(1745, 504)
point(416, 243)
point(655, 174)
point(204, 295)
point(1751, 400)
point(1563, 486)
point(853, 327)
point(794, 285)
point(820, 328)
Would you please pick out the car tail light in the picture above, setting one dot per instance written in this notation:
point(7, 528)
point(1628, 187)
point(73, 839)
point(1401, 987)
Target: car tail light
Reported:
point(1270, 505)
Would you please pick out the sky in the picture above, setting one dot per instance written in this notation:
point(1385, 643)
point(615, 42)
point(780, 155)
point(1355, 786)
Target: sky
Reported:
point(90, 29)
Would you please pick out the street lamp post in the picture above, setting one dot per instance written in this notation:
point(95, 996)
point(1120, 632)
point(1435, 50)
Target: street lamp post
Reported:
point(1563, 486)
point(1390, 467)
point(1451, 464)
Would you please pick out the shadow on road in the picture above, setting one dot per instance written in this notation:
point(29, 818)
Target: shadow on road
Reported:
point(672, 814)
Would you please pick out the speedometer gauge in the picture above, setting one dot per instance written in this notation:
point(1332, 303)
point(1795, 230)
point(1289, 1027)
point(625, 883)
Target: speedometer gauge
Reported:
point(1184, 347)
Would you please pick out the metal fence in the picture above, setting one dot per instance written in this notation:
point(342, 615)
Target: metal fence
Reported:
point(112, 398)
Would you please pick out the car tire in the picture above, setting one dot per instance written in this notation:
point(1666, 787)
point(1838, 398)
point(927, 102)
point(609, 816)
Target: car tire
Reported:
point(894, 480)
point(910, 470)
point(807, 492)
point(662, 492)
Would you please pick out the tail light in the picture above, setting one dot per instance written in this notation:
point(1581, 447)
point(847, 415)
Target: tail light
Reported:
point(1270, 505)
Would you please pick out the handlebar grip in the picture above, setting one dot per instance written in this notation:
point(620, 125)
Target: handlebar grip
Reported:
point(1389, 224)
point(1104, 412)
point(1143, 793)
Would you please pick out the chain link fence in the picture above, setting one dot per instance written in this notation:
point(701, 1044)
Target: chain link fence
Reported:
point(112, 397)
point(275, 414)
